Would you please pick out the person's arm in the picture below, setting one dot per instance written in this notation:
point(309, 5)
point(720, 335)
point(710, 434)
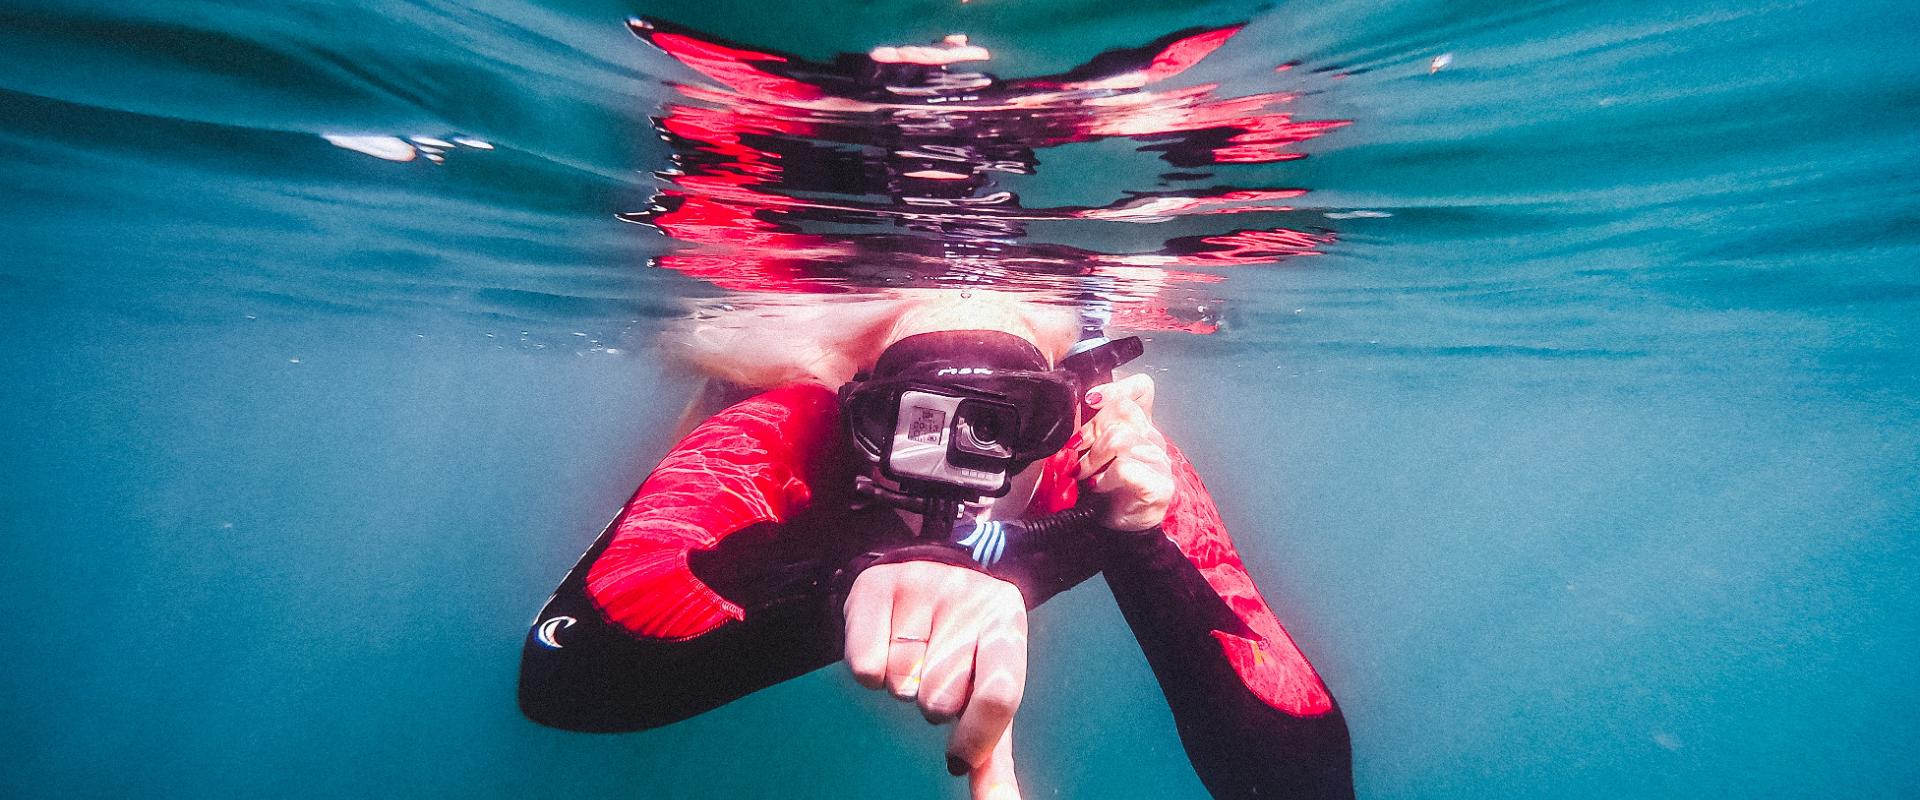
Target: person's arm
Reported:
point(698, 592)
point(581, 671)
point(1253, 715)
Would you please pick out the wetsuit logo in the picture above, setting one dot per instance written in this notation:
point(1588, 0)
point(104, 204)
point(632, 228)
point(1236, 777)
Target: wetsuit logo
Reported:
point(986, 542)
point(545, 633)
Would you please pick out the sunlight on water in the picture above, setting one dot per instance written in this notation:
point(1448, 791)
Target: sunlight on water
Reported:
point(394, 148)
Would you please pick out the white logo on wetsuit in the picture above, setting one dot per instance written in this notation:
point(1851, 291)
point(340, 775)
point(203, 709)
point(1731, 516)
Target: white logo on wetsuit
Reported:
point(986, 542)
point(550, 627)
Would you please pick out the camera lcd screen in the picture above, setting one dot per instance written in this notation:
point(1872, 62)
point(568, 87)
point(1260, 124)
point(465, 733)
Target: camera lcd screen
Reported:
point(946, 439)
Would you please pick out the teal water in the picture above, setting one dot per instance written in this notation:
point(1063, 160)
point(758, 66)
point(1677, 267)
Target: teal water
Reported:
point(1588, 470)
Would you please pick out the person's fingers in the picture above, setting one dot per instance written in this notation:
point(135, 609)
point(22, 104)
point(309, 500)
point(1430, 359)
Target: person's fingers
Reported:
point(1120, 411)
point(999, 680)
point(1141, 490)
point(948, 674)
point(1126, 460)
point(1117, 441)
point(1145, 470)
point(869, 623)
point(1090, 464)
point(982, 607)
point(1097, 446)
point(1137, 389)
point(906, 662)
point(995, 779)
point(913, 602)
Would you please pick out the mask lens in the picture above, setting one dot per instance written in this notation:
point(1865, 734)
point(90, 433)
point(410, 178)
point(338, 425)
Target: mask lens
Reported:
point(869, 411)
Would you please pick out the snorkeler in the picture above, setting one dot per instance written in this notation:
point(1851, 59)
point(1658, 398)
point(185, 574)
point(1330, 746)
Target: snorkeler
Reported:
point(914, 475)
point(780, 536)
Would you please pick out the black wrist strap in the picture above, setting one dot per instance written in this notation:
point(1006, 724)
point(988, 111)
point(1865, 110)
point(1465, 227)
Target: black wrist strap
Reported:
point(841, 582)
point(1042, 567)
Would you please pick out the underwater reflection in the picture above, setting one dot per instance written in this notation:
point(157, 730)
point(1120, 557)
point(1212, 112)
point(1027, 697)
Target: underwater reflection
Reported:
point(900, 168)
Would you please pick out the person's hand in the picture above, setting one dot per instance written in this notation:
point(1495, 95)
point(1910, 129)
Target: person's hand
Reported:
point(1123, 457)
point(954, 641)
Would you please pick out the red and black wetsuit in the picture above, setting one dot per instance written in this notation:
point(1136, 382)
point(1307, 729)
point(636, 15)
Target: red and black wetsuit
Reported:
point(718, 578)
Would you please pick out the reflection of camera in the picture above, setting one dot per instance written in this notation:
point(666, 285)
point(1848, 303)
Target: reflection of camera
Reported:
point(953, 439)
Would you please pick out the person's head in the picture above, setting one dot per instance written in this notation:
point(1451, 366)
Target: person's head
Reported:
point(768, 341)
point(964, 395)
point(1050, 329)
point(763, 342)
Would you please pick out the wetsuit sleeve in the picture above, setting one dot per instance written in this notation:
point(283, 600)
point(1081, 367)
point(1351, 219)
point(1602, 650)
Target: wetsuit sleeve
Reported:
point(706, 587)
point(1254, 716)
point(581, 671)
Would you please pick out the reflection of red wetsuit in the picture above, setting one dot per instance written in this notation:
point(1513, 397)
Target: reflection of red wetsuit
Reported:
point(713, 583)
point(798, 176)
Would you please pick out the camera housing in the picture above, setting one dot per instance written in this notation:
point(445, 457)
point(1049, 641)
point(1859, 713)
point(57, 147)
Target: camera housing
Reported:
point(954, 415)
point(952, 439)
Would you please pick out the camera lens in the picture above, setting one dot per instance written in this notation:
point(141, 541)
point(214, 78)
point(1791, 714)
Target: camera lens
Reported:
point(982, 428)
point(986, 429)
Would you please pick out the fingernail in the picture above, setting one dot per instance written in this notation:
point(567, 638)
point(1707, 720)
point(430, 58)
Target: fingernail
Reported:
point(1075, 441)
point(1093, 398)
point(957, 766)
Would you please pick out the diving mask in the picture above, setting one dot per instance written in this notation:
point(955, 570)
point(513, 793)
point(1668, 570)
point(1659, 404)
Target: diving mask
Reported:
point(955, 414)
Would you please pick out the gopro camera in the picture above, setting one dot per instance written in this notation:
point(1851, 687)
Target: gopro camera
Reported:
point(960, 431)
point(953, 439)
